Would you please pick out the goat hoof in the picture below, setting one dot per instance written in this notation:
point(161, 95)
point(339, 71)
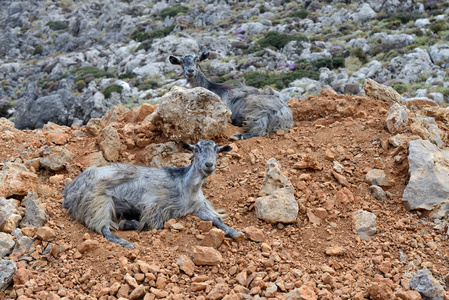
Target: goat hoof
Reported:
point(128, 245)
point(240, 236)
point(236, 137)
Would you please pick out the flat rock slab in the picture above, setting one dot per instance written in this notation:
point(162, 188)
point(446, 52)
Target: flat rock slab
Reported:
point(428, 187)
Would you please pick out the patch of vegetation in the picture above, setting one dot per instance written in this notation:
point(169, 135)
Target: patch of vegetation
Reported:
point(80, 85)
point(147, 85)
point(38, 49)
point(127, 75)
point(57, 25)
point(111, 89)
point(400, 87)
point(173, 11)
point(147, 38)
point(302, 14)
point(92, 71)
point(353, 64)
point(444, 91)
point(278, 80)
point(360, 54)
point(438, 26)
point(279, 40)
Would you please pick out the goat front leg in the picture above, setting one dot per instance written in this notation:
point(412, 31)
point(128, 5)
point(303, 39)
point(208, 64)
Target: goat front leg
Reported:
point(115, 239)
point(207, 215)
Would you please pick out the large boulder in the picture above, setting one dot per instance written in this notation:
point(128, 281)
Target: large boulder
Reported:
point(381, 92)
point(191, 115)
point(17, 180)
point(428, 187)
point(8, 268)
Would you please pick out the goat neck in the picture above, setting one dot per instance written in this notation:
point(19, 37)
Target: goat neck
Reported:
point(194, 179)
point(200, 80)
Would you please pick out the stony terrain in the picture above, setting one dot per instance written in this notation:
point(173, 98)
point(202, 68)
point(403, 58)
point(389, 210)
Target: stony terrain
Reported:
point(324, 254)
point(364, 172)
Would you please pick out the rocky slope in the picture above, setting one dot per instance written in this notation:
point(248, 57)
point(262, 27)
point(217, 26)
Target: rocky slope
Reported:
point(68, 61)
point(351, 237)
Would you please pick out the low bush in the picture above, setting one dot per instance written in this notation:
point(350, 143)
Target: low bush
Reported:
point(149, 37)
point(57, 25)
point(400, 87)
point(111, 89)
point(302, 14)
point(173, 11)
point(279, 40)
point(38, 49)
point(96, 73)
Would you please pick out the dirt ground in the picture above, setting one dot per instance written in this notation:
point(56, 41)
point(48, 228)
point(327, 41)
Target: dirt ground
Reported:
point(292, 256)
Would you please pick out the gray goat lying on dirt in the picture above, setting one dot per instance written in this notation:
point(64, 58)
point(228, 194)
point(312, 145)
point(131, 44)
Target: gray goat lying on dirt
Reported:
point(143, 198)
point(258, 112)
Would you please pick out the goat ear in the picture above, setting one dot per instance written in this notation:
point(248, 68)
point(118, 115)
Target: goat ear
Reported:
point(174, 60)
point(204, 56)
point(185, 146)
point(223, 149)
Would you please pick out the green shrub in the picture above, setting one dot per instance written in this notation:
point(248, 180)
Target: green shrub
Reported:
point(146, 85)
point(173, 11)
point(353, 64)
point(438, 26)
point(400, 87)
point(393, 25)
point(444, 91)
point(93, 71)
point(155, 34)
point(112, 88)
point(302, 14)
point(323, 63)
point(57, 25)
point(38, 49)
point(338, 62)
point(127, 75)
point(279, 40)
point(360, 54)
point(278, 80)
point(80, 85)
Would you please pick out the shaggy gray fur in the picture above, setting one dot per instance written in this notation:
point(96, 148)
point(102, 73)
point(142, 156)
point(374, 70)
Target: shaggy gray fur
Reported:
point(143, 197)
point(258, 112)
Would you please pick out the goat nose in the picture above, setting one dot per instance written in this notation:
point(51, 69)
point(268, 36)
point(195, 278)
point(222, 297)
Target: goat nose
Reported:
point(209, 164)
point(190, 70)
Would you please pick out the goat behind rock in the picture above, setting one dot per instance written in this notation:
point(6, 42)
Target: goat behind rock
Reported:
point(130, 197)
point(258, 112)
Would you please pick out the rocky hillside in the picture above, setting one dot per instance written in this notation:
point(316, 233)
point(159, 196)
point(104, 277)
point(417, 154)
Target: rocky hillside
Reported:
point(68, 61)
point(351, 203)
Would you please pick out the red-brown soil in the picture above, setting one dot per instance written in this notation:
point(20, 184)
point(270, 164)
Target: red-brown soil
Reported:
point(295, 257)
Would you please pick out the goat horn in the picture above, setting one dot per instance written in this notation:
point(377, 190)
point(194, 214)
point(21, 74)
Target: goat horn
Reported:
point(202, 69)
point(222, 167)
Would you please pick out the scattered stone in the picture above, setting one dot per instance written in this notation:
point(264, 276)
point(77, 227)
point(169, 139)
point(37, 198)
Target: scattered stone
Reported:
point(35, 215)
point(307, 162)
point(254, 234)
point(131, 281)
point(377, 177)
point(382, 92)
point(218, 291)
point(6, 244)
point(213, 238)
point(186, 265)
point(274, 179)
point(279, 207)
point(88, 245)
point(377, 192)
point(191, 114)
point(45, 233)
point(313, 218)
point(55, 158)
point(109, 141)
point(206, 256)
point(428, 186)
point(344, 196)
point(9, 215)
point(17, 180)
point(335, 251)
point(341, 179)
point(380, 291)
point(397, 118)
point(94, 126)
point(8, 268)
point(427, 285)
point(364, 223)
point(137, 293)
point(426, 128)
point(302, 293)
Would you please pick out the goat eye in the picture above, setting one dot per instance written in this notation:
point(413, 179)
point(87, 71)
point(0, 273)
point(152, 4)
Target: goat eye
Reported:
point(195, 150)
